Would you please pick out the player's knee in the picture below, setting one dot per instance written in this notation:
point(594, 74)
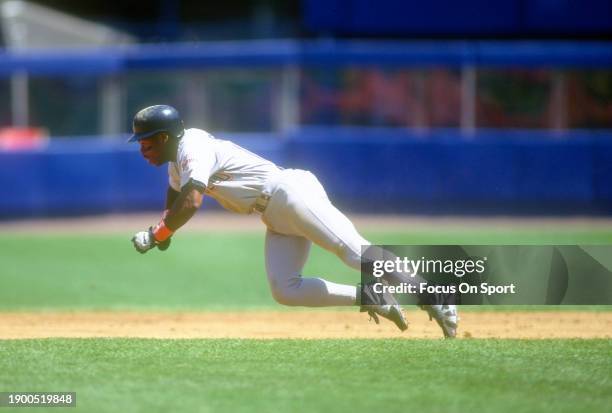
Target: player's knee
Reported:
point(284, 297)
point(350, 252)
point(286, 294)
point(350, 256)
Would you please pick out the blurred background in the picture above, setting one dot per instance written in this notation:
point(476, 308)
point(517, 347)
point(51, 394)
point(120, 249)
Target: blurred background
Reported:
point(403, 106)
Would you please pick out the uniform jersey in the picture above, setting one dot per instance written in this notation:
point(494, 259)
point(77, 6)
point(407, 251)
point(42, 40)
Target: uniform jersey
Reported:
point(230, 174)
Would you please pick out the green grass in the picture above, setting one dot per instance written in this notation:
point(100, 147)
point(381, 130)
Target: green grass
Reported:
point(130, 375)
point(226, 271)
point(200, 271)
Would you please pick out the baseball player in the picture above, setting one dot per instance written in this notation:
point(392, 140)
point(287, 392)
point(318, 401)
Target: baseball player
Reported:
point(292, 203)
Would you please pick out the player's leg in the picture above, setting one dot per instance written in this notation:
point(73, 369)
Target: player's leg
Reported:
point(321, 222)
point(285, 259)
point(313, 216)
point(300, 206)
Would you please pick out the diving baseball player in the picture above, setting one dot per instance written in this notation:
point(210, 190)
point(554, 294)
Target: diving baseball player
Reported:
point(292, 203)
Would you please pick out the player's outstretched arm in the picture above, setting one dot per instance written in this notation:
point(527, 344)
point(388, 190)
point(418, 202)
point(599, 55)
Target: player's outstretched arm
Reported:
point(184, 206)
point(171, 196)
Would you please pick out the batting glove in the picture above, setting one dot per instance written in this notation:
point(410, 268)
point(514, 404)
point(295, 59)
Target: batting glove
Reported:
point(158, 236)
point(143, 241)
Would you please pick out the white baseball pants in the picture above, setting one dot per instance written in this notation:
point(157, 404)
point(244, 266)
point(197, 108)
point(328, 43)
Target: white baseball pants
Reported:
point(299, 213)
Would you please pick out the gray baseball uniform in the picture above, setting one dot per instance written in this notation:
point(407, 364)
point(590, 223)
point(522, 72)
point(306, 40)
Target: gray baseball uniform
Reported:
point(293, 205)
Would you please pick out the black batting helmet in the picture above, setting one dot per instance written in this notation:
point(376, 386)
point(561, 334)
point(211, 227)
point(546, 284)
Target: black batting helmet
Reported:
point(155, 119)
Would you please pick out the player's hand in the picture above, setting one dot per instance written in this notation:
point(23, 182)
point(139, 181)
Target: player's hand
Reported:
point(143, 241)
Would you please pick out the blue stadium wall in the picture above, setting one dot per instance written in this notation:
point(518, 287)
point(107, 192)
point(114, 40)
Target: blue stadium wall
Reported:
point(363, 170)
point(459, 18)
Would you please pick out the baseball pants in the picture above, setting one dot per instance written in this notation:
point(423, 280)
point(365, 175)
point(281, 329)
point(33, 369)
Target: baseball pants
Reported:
point(299, 213)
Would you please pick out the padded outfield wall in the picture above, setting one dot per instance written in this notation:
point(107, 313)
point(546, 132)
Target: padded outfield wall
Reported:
point(418, 168)
point(362, 170)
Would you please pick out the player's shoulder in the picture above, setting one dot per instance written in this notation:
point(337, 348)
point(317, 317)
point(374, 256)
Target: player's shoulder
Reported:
point(194, 136)
point(194, 140)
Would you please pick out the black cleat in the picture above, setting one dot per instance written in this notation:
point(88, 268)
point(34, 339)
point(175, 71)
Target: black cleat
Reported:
point(384, 305)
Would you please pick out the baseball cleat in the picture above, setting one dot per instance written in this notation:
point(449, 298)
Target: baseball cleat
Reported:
point(391, 312)
point(446, 317)
point(381, 304)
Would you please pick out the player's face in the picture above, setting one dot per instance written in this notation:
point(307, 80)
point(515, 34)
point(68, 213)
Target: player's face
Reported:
point(152, 149)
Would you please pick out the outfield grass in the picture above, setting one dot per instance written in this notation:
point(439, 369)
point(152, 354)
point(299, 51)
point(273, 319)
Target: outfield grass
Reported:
point(199, 271)
point(422, 376)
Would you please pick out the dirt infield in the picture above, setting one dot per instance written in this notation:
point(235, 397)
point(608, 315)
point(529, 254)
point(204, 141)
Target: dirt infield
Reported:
point(298, 325)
